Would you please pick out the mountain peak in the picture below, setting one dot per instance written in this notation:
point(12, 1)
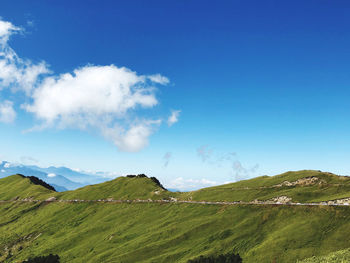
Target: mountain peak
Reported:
point(128, 187)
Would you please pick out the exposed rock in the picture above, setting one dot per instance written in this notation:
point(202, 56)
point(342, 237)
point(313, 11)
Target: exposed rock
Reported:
point(303, 182)
point(345, 201)
point(28, 199)
point(51, 199)
point(281, 199)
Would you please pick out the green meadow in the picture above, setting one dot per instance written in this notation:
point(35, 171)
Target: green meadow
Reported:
point(174, 232)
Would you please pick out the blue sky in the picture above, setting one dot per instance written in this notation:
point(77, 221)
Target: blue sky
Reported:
point(266, 80)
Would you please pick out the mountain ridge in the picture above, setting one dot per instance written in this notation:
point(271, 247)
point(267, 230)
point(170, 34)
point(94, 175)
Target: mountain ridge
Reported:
point(171, 231)
point(294, 186)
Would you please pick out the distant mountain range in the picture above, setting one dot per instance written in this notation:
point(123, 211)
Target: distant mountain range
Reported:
point(61, 178)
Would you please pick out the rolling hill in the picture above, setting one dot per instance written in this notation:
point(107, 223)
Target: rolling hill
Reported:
point(20, 187)
point(124, 188)
point(300, 186)
point(175, 232)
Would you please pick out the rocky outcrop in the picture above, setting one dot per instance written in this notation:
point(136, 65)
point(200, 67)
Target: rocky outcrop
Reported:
point(345, 201)
point(281, 199)
point(51, 199)
point(302, 182)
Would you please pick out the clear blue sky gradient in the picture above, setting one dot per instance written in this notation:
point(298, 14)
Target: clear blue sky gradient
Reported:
point(268, 80)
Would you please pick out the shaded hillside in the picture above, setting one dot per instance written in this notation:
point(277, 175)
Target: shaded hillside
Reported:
point(300, 186)
point(130, 187)
point(19, 186)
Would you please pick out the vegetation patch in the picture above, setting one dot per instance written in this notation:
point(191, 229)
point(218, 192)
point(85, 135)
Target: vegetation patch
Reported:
point(224, 258)
point(44, 259)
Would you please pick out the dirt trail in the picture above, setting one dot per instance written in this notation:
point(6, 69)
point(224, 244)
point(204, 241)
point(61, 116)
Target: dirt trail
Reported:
point(255, 202)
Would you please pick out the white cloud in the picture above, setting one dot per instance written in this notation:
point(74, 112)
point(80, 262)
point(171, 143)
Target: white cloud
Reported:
point(98, 97)
point(157, 78)
point(51, 175)
point(14, 71)
point(7, 165)
point(132, 139)
point(91, 92)
point(2, 170)
point(108, 99)
point(190, 184)
point(174, 117)
point(6, 30)
point(7, 113)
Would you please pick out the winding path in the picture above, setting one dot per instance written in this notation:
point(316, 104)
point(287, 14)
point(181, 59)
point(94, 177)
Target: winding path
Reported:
point(176, 202)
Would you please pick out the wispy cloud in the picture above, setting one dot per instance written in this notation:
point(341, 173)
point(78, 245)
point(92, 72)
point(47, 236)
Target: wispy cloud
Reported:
point(17, 73)
point(166, 159)
point(7, 113)
point(174, 117)
point(190, 184)
point(28, 160)
point(230, 160)
point(205, 153)
point(157, 78)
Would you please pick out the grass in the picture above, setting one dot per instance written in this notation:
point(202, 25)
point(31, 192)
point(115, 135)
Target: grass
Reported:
point(155, 232)
point(261, 188)
point(15, 186)
point(121, 188)
point(342, 256)
point(170, 232)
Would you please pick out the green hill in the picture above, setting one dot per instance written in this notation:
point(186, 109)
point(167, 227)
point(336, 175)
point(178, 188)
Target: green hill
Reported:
point(18, 186)
point(172, 232)
point(301, 186)
point(121, 188)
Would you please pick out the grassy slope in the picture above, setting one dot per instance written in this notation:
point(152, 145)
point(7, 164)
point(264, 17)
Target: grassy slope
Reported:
point(120, 188)
point(170, 232)
point(341, 256)
point(336, 187)
point(17, 186)
point(106, 232)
